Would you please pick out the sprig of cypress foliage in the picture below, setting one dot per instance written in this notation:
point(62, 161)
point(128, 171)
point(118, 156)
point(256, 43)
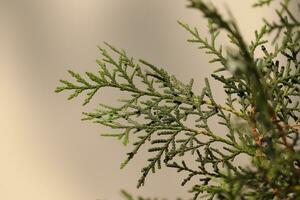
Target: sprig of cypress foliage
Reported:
point(260, 114)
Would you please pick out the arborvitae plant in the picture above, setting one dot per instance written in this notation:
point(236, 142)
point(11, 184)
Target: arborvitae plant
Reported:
point(260, 112)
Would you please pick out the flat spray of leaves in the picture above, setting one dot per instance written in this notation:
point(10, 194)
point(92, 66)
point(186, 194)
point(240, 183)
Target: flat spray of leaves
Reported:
point(260, 113)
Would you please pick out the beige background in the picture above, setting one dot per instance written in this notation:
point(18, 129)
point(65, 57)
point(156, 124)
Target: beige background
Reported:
point(46, 152)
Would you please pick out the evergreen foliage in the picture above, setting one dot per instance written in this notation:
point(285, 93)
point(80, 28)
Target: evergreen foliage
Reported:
point(260, 112)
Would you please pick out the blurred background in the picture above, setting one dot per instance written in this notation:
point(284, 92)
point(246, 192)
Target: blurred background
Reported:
point(46, 151)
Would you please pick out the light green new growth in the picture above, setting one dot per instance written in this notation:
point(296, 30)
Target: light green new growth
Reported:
point(260, 113)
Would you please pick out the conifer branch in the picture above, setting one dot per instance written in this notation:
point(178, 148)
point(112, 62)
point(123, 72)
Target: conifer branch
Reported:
point(260, 114)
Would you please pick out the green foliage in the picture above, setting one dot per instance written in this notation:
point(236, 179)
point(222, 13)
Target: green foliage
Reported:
point(260, 112)
point(262, 3)
point(128, 196)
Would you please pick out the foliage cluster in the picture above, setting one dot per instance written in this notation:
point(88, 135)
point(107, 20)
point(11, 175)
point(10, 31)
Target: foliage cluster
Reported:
point(260, 113)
